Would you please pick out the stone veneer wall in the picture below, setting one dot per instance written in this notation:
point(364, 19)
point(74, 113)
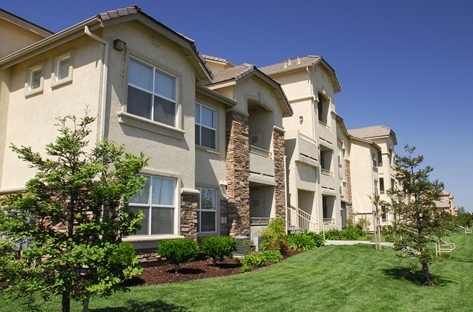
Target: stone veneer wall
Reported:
point(279, 173)
point(237, 172)
point(189, 215)
point(347, 173)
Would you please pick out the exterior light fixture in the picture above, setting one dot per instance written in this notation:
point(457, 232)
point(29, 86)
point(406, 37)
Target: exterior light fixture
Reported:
point(119, 45)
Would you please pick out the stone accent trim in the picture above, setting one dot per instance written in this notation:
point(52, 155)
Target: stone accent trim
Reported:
point(350, 216)
point(188, 218)
point(237, 172)
point(279, 173)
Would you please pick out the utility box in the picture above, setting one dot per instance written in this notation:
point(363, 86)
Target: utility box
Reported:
point(243, 245)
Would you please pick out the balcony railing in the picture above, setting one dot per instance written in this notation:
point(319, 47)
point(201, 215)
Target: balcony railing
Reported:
point(327, 172)
point(328, 221)
point(261, 152)
point(259, 220)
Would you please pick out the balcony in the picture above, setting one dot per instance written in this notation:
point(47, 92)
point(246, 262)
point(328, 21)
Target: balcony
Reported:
point(261, 162)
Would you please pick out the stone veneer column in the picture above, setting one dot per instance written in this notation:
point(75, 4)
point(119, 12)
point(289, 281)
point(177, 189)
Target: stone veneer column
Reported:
point(279, 172)
point(189, 215)
point(237, 172)
point(348, 190)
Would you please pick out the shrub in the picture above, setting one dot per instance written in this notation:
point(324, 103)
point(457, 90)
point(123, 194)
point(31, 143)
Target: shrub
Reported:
point(301, 241)
point(274, 236)
point(177, 251)
point(259, 259)
point(318, 238)
point(217, 247)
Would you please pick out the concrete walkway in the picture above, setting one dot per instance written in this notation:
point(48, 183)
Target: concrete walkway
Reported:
point(354, 242)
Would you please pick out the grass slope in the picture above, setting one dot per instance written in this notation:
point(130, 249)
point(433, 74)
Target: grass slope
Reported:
point(331, 278)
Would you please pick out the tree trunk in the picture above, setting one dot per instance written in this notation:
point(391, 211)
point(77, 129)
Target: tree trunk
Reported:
point(426, 274)
point(66, 301)
point(85, 304)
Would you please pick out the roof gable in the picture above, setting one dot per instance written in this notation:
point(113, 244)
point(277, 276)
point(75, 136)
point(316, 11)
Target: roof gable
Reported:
point(373, 132)
point(301, 63)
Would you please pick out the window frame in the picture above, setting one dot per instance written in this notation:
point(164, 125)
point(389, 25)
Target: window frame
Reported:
point(200, 125)
point(200, 210)
point(150, 205)
point(40, 66)
point(55, 80)
point(153, 93)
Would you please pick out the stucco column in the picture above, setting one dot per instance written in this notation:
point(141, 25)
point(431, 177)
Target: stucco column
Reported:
point(279, 172)
point(237, 172)
point(349, 207)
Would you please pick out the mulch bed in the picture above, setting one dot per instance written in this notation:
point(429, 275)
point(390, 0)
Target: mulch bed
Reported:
point(158, 272)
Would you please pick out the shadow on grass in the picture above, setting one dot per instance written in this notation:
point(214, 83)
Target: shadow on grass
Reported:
point(415, 277)
point(137, 306)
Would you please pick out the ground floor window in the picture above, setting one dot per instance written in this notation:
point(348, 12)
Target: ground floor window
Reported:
point(207, 210)
point(157, 202)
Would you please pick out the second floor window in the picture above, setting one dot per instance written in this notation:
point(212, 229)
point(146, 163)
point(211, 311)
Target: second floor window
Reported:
point(151, 93)
point(205, 126)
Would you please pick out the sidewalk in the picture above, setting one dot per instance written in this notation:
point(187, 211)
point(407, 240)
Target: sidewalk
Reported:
point(354, 242)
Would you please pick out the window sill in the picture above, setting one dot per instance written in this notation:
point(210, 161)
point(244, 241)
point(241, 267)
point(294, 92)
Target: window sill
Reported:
point(149, 125)
point(207, 149)
point(30, 93)
point(60, 83)
point(149, 238)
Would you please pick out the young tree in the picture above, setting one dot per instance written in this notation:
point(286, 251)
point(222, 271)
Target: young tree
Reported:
point(75, 212)
point(418, 219)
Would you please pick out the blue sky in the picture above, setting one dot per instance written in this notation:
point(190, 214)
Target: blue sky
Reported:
point(406, 64)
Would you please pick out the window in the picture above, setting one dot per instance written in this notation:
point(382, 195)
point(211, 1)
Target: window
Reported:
point(62, 71)
point(380, 159)
point(375, 187)
point(381, 185)
point(205, 126)
point(323, 109)
point(151, 93)
point(207, 210)
point(373, 157)
point(157, 202)
point(34, 80)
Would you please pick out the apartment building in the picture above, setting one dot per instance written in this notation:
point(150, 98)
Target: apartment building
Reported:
point(312, 146)
point(372, 156)
point(153, 92)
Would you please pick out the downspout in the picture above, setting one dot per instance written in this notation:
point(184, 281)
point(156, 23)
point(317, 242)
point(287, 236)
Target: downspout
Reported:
point(104, 80)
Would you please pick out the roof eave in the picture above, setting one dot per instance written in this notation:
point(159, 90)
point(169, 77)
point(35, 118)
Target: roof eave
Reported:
point(49, 42)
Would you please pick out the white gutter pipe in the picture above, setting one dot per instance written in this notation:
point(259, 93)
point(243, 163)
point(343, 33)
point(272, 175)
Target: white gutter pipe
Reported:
point(104, 81)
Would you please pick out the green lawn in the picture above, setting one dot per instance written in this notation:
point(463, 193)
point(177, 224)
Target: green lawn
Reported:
point(331, 278)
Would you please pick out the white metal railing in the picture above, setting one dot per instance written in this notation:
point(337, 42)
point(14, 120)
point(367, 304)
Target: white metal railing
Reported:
point(467, 229)
point(259, 220)
point(300, 219)
point(441, 246)
point(260, 151)
point(328, 221)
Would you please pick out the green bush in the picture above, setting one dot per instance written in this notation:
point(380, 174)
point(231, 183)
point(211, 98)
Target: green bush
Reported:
point(259, 259)
point(177, 251)
point(217, 247)
point(274, 236)
point(350, 232)
point(301, 241)
point(318, 238)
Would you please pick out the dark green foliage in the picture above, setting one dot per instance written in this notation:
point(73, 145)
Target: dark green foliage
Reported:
point(301, 241)
point(419, 220)
point(78, 200)
point(350, 232)
point(274, 236)
point(317, 237)
point(177, 251)
point(258, 259)
point(217, 247)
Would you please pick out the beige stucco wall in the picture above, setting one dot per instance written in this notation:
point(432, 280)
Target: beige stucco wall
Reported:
point(171, 149)
point(16, 37)
point(31, 119)
point(363, 176)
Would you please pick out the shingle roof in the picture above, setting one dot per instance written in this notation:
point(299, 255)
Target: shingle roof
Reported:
point(301, 62)
point(217, 59)
point(371, 132)
point(235, 73)
point(289, 64)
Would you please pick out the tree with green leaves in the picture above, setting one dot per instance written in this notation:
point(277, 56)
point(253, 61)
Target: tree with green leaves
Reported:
point(74, 213)
point(418, 219)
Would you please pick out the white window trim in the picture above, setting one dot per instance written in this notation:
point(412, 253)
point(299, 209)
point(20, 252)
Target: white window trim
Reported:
point(55, 82)
point(201, 125)
point(215, 211)
point(144, 237)
point(166, 70)
point(37, 66)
